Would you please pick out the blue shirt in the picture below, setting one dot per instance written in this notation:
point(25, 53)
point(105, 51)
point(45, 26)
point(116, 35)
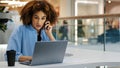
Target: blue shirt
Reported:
point(23, 39)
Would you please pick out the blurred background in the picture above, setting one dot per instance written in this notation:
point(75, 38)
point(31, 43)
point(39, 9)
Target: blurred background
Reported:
point(86, 24)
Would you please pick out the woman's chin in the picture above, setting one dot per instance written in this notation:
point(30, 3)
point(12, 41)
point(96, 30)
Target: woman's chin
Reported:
point(38, 29)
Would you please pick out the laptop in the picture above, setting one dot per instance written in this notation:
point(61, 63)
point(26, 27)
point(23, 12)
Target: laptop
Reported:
point(49, 52)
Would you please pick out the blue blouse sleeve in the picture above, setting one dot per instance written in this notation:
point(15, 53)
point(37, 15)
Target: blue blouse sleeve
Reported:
point(44, 36)
point(14, 42)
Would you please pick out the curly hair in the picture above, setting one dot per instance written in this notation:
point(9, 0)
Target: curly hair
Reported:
point(34, 6)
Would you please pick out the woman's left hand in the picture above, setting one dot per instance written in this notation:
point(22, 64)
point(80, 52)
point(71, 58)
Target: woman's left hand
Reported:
point(48, 30)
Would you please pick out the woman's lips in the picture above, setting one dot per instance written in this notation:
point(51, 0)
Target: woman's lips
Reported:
point(38, 26)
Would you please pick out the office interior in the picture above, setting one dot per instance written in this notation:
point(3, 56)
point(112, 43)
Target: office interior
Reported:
point(93, 28)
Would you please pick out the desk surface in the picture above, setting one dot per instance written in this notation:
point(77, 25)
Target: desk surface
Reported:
point(78, 58)
point(64, 65)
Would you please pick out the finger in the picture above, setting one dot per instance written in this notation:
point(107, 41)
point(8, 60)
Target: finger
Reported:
point(47, 22)
point(46, 26)
point(49, 28)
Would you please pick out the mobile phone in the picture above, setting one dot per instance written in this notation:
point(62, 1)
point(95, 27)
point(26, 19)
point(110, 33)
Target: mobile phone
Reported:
point(46, 27)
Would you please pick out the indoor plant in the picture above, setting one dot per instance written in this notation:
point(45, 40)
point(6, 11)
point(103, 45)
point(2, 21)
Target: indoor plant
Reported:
point(3, 24)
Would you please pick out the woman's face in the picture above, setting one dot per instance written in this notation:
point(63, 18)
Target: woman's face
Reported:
point(38, 20)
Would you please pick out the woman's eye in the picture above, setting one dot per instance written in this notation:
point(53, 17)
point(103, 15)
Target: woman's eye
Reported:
point(36, 17)
point(44, 18)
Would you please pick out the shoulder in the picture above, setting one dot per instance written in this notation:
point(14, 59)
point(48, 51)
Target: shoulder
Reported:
point(19, 29)
point(23, 27)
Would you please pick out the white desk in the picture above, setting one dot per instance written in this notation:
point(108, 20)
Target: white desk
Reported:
point(81, 59)
point(63, 65)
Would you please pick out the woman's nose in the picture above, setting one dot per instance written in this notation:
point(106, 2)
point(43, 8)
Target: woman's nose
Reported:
point(39, 21)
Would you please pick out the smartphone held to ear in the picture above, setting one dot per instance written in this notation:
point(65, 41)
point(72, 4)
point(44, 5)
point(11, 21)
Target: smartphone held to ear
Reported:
point(46, 25)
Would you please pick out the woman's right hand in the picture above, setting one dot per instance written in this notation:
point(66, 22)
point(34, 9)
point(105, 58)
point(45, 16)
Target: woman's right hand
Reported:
point(25, 58)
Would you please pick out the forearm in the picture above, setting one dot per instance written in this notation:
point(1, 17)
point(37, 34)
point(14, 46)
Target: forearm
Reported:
point(25, 58)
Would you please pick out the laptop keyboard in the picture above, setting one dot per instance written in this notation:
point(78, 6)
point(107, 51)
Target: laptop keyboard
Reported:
point(26, 62)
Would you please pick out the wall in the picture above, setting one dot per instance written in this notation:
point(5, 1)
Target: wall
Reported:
point(66, 8)
point(113, 7)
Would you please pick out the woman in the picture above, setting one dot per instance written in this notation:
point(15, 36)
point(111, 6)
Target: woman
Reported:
point(38, 17)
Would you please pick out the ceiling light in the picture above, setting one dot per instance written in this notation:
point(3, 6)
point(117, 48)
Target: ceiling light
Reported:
point(109, 1)
point(87, 2)
point(14, 2)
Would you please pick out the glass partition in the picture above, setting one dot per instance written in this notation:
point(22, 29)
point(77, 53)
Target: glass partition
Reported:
point(90, 33)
